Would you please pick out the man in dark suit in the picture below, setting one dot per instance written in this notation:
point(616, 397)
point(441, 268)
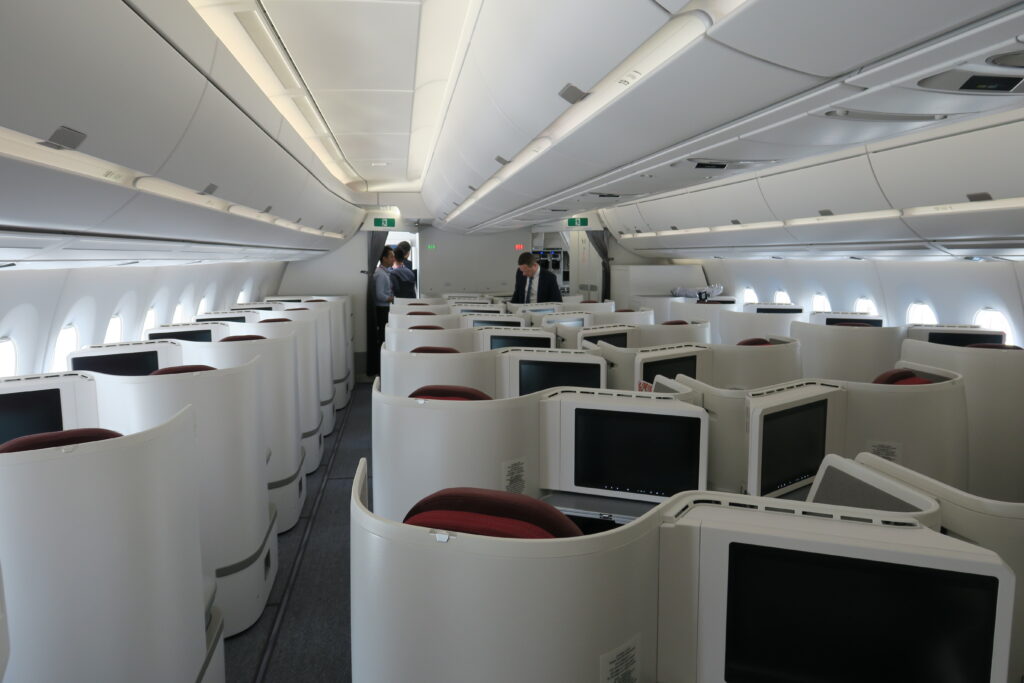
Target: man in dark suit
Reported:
point(534, 285)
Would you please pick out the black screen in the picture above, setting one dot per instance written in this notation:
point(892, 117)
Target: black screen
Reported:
point(655, 455)
point(537, 375)
point(139, 363)
point(30, 412)
point(859, 620)
point(839, 321)
point(503, 342)
point(963, 339)
point(779, 310)
point(253, 308)
point(615, 339)
point(288, 301)
point(540, 310)
point(186, 335)
point(991, 83)
point(577, 322)
point(478, 310)
point(497, 323)
point(670, 367)
point(792, 445)
point(230, 319)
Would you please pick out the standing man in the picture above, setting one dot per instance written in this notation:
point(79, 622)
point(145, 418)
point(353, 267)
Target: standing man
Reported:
point(403, 280)
point(406, 248)
point(534, 285)
point(383, 294)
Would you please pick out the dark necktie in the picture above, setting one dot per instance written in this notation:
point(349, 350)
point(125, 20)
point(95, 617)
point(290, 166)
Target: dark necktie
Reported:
point(529, 289)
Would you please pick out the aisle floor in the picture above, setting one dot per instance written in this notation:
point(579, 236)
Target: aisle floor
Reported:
point(303, 634)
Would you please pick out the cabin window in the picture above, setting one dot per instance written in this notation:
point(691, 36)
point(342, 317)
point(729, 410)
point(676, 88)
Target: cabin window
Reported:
point(820, 302)
point(921, 314)
point(865, 305)
point(67, 341)
point(243, 298)
point(749, 296)
point(115, 330)
point(150, 321)
point(781, 297)
point(203, 307)
point(8, 358)
point(991, 319)
point(179, 314)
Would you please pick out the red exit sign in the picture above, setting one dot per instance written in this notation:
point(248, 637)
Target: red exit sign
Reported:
point(520, 247)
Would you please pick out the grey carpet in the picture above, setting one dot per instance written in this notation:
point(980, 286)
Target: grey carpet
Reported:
point(303, 634)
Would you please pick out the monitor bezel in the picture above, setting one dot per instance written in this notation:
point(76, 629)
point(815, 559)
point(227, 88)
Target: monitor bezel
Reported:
point(218, 329)
point(498, 320)
point(78, 405)
point(488, 333)
point(208, 317)
point(168, 352)
point(702, 354)
point(510, 357)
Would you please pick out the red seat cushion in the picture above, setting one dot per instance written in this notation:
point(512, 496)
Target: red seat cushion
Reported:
point(754, 341)
point(625, 310)
point(588, 301)
point(852, 323)
point(426, 327)
point(315, 301)
point(900, 376)
point(434, 349)
point(675, 322)
point(475, 523)
point(418, 304)
point(994, 346)
point(421, 313)
point(484, 506)
point(443, 392)
point(243, 337)
point(296, 309)
point(181, 369)
point(277, 320)
point(67, 437)
point(710, 301)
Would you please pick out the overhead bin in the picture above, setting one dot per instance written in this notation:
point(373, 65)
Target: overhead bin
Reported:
point(100, 70)
point(844, 186)
point(740, 202)
point(974, 225)
point(835, 126)
point(847, 36)
point(853, 232)
point(947, 170)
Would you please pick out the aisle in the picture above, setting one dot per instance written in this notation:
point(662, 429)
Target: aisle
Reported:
point(303, 634)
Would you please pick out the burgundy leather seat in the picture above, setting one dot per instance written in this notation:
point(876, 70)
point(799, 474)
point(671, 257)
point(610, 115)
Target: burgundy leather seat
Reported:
point(491, 513)
point(445, 392)
point(900, 376)
point(426, 327)
point(181, 369)
point(315, 301)
point(754, 341)
point(243, 337)
point(277, 320)
point(296, 309)
point(995, 346)
point(676, 322)
point(626, 310)
point(588, 301)
point(421, 313)
point(67, 437)
point(434, 349)
point(852, 323)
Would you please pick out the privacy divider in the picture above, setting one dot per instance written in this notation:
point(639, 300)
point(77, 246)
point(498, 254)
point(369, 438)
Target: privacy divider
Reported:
point(325, 381)
point(341, 329)
point(644, 316)
point(691, 310)
point(695, 332)
point(102, 561)
point(403, 373)
point(857, 354)
point(238, 524)
point(403, 319)
point(992, 382)
point(461, 339)
point(734, 326)
point(749, 367)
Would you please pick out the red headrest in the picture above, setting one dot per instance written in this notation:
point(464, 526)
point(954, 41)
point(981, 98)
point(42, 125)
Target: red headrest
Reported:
point(625, 310)
point(900, 376)
point(277, 320)
point(296, 309)
point(315, 301)
point(418, 304)
point(441, 392)
point(994, 346)
point(34, 442)
point(852, 323)
point(675, 322)
point(434, 349)
point(181, 369)
point(421, 313)
point(711, 301)
point(588, 301)
point(243, 337)
point(426, 327)
point(754, 341)
point(491, 513)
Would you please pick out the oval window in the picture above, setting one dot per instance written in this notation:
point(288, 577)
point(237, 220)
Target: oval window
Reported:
point(749, 296)
point(865, 305)
point(781, 297)
point(991, 319)
point(115, 330)
point(820, 303)
point(67, 341)
point(8, 358)
point(921, 314)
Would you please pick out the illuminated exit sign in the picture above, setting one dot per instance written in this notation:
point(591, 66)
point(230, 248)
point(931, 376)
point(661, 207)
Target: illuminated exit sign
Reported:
point(431, 246)
point(383, 222)
point(520, 247)
point(579, 222)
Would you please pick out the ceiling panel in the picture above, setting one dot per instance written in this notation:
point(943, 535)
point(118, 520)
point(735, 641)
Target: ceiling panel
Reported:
point(360, 147)
point(355, 111)
point(395, 167)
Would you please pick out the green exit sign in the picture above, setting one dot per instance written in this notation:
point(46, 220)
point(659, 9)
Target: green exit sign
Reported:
point(431, 246)
point(579, 222)
point(383, 222)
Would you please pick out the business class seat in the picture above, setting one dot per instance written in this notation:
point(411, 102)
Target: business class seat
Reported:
point(434, 349)
point(426, 327)
point(421, 313)
point(1005, 347)
point(900, 376)
point(852, 323)
point(491, 513)
point(754, 341)
point(276, 320)
point(676, 322)
point(242, 337)
point(103, 575)
point(443, 392)
point(182, 369)
point(67, 437)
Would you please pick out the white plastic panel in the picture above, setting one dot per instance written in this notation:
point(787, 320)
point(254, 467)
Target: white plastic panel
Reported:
point(721, 205)
point(229, 75)
point(183, 26)
point(844, 186)
point(972, 225)
point(847, 35)
point(946, 170)
point(667, 211)
point(906, 100)
point(96, 68)
point(884, 230)
point(33, 196)
point(833, 132)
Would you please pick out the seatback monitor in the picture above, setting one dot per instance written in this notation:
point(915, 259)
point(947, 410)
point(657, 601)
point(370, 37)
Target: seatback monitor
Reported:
point(252, 308)
point(792, 445)
point(186, 335)
point(908, 623)
point(226, 319)
point(491, 322)
point(670, 367)
point(873, 322)
point(507, 341)
point(538, 375)
point(138, 363)
point(777, 309)
point(641, 453)
point(30, 412)
point(964, 338)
